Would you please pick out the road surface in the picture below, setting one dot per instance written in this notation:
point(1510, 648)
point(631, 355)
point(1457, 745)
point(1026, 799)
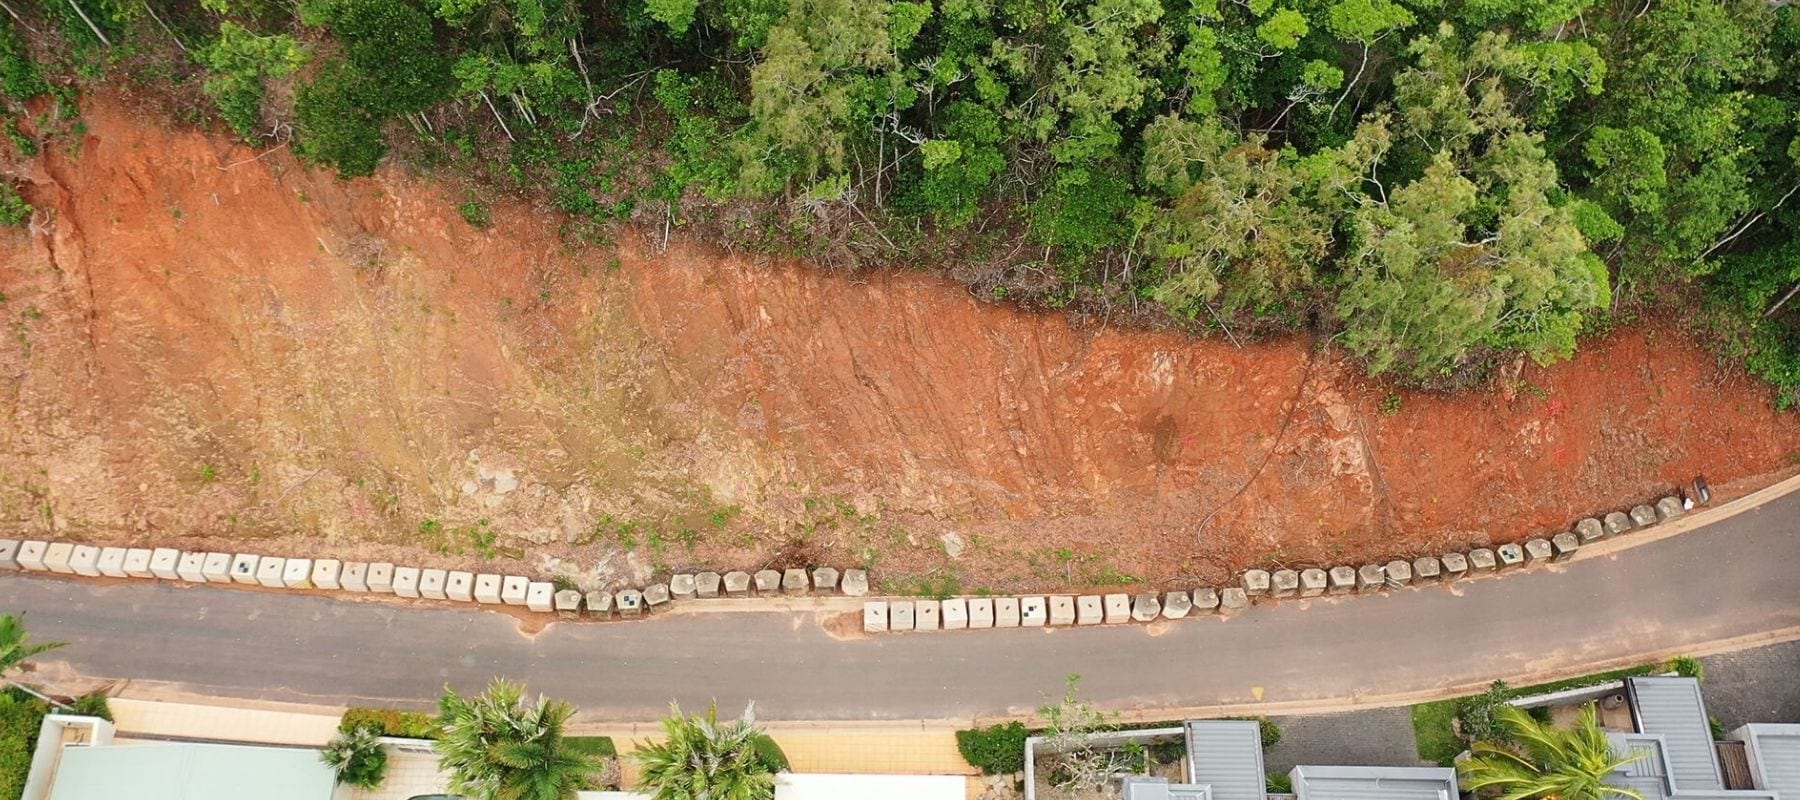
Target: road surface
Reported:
point(1735, 578)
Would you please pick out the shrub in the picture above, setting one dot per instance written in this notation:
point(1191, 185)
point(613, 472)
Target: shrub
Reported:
point(995, 749)
point(770, 753)
point(14, 211)
point(1688, 667)
point(356, 755)
point(391, 722)
point(92, 704)
point(1280, 783)
point(20, 715)
point(1477, 714)
point(476, 214)
point(335, 125)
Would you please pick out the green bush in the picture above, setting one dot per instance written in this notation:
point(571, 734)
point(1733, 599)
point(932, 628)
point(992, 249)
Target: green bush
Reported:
point(1688, 667)
point(1280, 783)
point(595, 746)
point(1477, 714)
point(20, 715)
point(995, 749)
point(335, 125)
point(770, 753)
point(92, 704)
point(14, 211)
point(391, 722)
point(357, 757)
point(476, 213)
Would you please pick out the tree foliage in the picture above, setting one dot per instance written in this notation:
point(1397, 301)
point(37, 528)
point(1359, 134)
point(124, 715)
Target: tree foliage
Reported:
point(500, 746)
point(703, 759)
point(357, 757)
point(1540, 760)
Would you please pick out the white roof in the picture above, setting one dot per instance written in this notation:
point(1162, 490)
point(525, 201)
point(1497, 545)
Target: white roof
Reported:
point(191, 772)
point(821, 786)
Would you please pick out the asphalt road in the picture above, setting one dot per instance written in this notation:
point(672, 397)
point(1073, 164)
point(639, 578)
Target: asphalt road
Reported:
point(1736, 578)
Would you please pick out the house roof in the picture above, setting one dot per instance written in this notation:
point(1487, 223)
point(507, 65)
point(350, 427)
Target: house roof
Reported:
point(1142, 788)
point(1374, 783)
point(1226, 755)
point(191, 772)
point(1774, 755)
point(1671, 707)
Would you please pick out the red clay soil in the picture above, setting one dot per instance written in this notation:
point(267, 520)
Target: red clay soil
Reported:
point(210, 348)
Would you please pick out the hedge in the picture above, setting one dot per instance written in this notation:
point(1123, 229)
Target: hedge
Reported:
point(20, 716)
point(391, 722)
point(995, 749)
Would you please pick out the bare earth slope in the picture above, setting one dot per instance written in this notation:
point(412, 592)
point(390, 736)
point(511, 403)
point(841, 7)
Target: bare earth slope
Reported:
point(209, 348)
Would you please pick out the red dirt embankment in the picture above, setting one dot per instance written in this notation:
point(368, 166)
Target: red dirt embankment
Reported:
point(207, 347)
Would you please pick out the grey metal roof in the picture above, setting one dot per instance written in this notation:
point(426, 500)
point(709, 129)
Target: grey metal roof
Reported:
point(1671, 708)
point(1140, 788)
point(191, 772)
point(1649, 774)
point(1774, 753)
point(1374, 783)
point(1226, 754)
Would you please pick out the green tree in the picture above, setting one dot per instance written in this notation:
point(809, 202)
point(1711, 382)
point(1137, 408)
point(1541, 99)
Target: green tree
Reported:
point(240, 61)
point(16, 645)
point(357, 757)
point(1543, 761)
point(498, 746)
point(702, 759)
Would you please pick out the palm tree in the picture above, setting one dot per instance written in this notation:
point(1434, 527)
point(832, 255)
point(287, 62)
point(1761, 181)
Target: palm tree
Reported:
point(14, 647)
point(704, 760)
point(497, 746)
point(1547, 763)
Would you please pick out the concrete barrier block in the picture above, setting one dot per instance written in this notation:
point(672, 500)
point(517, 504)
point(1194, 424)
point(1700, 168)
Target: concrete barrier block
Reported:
point(1006, 612)
point(1370, 578)
point(31, 555)
point(1643, 516)
point(268, 570)
point(84, 560)
point(981, 612)
point(1482, 559)
point(163, 561)
point(1062, 610)
point(1456, 565)
point(514, 587)
point(216, 567)
point(1116, 607)
point(1232, 601)
point(875, 617)
point(681, 586)
point(568, 601)
point(900, 615)
point(1034, 612)
point(737, 584)
point(1616, 523)
point(188, 567)
point(630, 603)
point(487, 588)
point(954, 613)
point(432, 582)
point(600, 605)
point(1427, 569)
point(1564, 545)
point(381, 578)
point(1590, 530)
point(825, 579)
point(540, 596)
point(1256, 582)
point(1399, 573)
point(926, 614)
point(297, 574)
point(1509, 555)
point(1343, 579)
point(355, 576)
point(1313, 582)
point(1669, 508)
point(855, 582)
point(706, 585)
point(460, 586)
point(112, 563)
point(1284, 583)
point(1206, 600)
point(1538, 550)
point(406, 582)
point(1089, 610)
point(1145, 608)
point(328, 573)
point(243, 568)
point(1177, 605)
point(9, 554)
point(768, 581)
point(56, 558)
point(656, 595)
point(794, 581)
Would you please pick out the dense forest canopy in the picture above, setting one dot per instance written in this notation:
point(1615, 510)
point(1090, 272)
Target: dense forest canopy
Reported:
point(1438, 184)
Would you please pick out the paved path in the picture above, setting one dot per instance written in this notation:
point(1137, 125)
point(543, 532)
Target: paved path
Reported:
point(1735, 578)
